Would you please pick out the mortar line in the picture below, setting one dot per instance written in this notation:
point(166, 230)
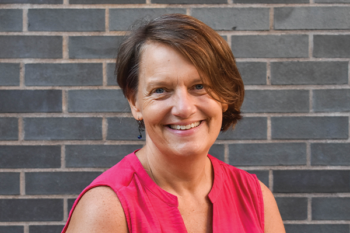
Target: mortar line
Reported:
point(229, 42)
point(104, 128)
point(269, 130)
point(268, 73)
point(65, 209)
point(65, 2)
point(21, 75)
point(26, 228)
point(311, 45)
point(107, 20)
point(20, 129)
point(22, 185)
point(271, 18)
point(349, 73)
point(64, 101)
point(148, 2)
point(309, 210)
point(308, 154)
point(25, 20)
point(311, 102)
point(271, 180)
point(230, 2)
point(104, 74)
point(63, 156)
point(188, 11)
point(226, 154)
point(65, 47)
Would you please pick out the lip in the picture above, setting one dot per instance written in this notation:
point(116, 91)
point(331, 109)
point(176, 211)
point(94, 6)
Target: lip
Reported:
point(187, 132)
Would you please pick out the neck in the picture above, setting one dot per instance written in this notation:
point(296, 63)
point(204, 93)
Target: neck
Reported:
point(176, 174)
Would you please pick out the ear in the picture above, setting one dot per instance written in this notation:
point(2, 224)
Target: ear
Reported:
point(135, 108)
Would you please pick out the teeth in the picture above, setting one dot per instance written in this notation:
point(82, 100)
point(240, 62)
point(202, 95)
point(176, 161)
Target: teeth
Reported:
point(184, 127)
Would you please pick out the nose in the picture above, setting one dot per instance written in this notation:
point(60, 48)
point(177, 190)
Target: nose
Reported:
point(183, 104)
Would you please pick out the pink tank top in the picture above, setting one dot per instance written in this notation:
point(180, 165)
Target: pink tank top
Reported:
point(236, 197)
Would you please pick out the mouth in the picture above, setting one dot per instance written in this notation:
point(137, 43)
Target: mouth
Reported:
point(185, 127)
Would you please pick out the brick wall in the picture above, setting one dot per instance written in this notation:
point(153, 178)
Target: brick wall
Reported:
point(63, 119)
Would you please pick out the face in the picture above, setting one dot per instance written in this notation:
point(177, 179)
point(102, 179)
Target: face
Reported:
point(179, 115)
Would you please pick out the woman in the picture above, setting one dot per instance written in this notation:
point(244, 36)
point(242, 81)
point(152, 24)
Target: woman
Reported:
point(182, 84)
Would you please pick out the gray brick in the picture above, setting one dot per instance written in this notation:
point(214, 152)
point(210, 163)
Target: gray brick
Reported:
point(30, 47)
point(330, 208)
point(316, 228)
point(270, 46)
point(190, 1)
point(31, 101)
point(335, 100)
point(271, 154)
point(68, 20)
point(30, 156)
point(97, 101)
point(312, 73)
point(76, 74)
point(111, 78)
point(276, 101)
point(292, 208)
point(97, 155)
point(310, 127)
point(10, 20)
point(314, 181)
point(94, 46)
point(11, 229)
point(249, 128)
point(333, 46)
point(123, 19)
point(123, 128)
point(262, 175)
point(318, 18)
point(46, 229)
point(60, 128)
point(22, 210)
point(33, 1)
point(70, 204)
point(253, 73)
point(106, 1)
point(9, 183)
point(48, 183)
point(9, 74)
point(271, 1)
point(8, 128)
point(240, 19)
point(218, 151)
point(330, 154)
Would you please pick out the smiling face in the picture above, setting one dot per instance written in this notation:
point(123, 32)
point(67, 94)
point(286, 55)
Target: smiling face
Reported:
point(179, 116)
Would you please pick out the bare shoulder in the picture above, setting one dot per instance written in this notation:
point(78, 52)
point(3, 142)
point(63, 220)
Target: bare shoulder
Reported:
point(99, 210)
point(273, 220)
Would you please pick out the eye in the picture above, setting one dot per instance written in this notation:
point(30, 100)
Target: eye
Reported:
point(159, 90)
point(199, 86)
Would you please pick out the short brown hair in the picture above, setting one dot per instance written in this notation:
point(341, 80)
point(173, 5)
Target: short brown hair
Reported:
point(196, 41)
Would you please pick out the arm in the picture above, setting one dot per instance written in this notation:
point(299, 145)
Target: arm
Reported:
point(100, 211)
point(273, 220)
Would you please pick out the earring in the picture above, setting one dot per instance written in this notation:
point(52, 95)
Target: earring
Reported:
point(140, 128)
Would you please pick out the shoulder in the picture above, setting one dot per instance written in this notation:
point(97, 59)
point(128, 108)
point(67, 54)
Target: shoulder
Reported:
point(99, 210)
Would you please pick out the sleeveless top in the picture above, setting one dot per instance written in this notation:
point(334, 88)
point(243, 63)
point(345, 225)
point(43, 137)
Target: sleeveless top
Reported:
point(236, 197)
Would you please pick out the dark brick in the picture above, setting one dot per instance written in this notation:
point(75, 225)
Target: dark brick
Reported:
point(9, 74)
point(33, 1)
point(271, 1)
point(253, 73)
point(330, 154)
point(74, 128)
point(25, 210)
point(240, 19)
point(335, 100)
point(316, 228)
point(314, 181)
point(270, 46)
point(94, 46)
point(47, 183)
point(123, 19)
point(292, 208)
point(333, 46)
point(70, 204)
point(76, 74)
point(9, 183)
point(106, 1)
point(8, 128)
point(10, 20)
point(30, 47)
point(11, 229)
point(310, 127)
point(190, 1)
point(97, 155)
point(30, 156)
point(218, 151)
point(330, 208)
point(123, 128)
point(321, 18)
point(276, 101)
point(249, 128)
point(97, 101)
point(46, 229)
point(312, 73)
point(263, 176)
point(31, 101)
point(271, 154)
point(68, 20)
point(111, 78)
